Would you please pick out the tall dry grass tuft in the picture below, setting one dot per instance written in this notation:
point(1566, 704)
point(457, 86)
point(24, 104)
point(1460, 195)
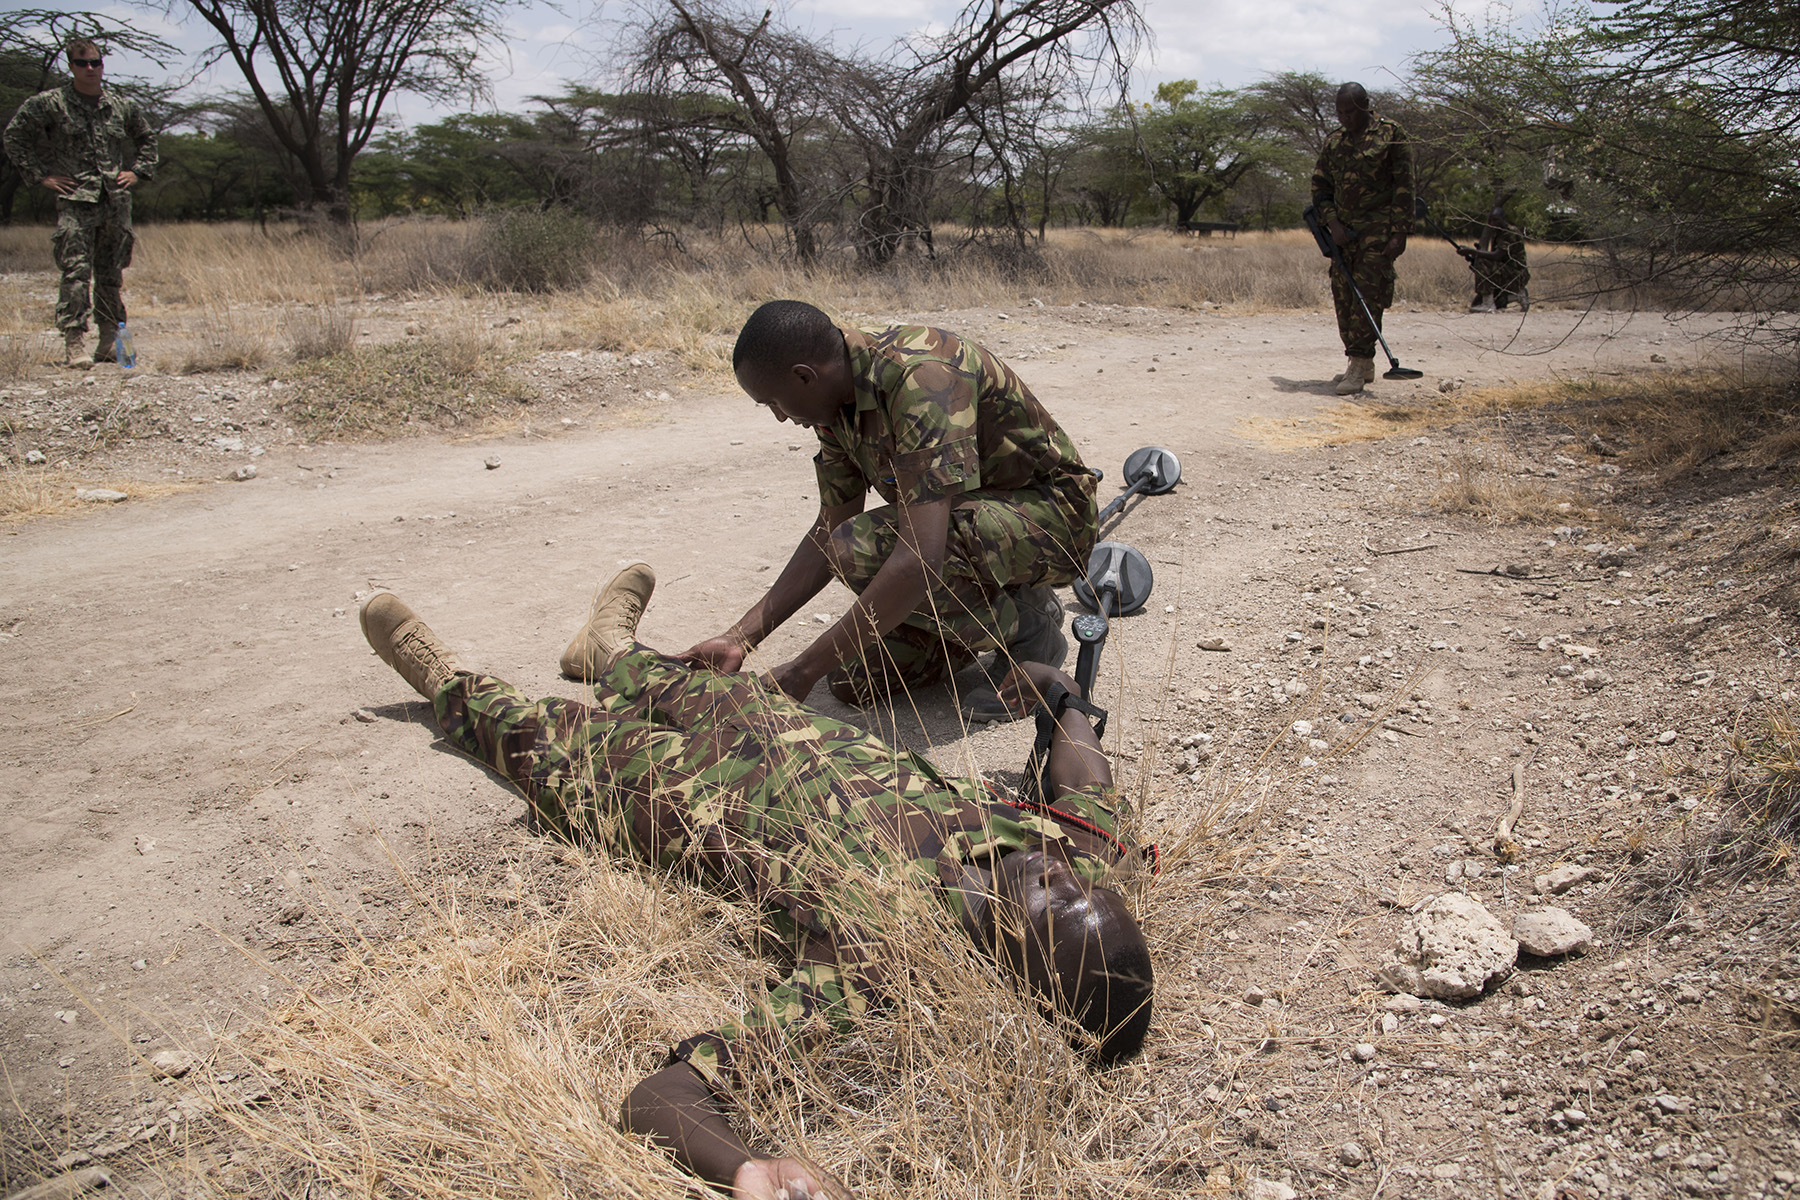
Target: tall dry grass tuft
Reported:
point(228, 339)
point(1757, 831)
point(456, 374)
point(321, 330)
point(1477, 484)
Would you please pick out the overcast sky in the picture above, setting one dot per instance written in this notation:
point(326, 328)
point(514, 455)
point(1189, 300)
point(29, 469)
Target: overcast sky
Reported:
point(1229, 42)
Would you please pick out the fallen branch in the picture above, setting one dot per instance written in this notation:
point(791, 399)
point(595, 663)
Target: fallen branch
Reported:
point(1505, 849)
point(1503, 573)
point(1399, 549)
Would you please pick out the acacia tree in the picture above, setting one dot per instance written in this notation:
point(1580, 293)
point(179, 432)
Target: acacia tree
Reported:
point(904, 114)
point(1668, 130)
point(323, 71)
point(774, 78)
point(1198, 145)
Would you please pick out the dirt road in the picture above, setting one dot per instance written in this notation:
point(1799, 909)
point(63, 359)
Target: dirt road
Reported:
point(202, 749)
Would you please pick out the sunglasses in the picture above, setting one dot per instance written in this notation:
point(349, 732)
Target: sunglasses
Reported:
point(84, 62)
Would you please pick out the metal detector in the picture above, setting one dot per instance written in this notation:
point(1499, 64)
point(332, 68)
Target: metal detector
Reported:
point(1330, 248)
point(1118, 578)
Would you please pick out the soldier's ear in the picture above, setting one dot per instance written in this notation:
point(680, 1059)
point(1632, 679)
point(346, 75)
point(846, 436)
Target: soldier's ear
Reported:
point(806, 373)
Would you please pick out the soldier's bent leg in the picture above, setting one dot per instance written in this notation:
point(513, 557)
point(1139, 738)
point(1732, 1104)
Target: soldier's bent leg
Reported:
point(997, 543)
point(72, 245)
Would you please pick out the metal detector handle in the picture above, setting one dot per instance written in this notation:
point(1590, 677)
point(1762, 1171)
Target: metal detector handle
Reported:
point(1090, 630)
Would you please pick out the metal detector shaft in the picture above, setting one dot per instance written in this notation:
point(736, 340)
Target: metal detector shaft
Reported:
point(1118, 502)
point(1090, 630)
point(1396, 371)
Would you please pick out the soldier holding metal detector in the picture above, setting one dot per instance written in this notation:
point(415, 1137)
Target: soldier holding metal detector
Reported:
point(853, 850)
point(1498, 261)
point(1362, 214)
point(988, 506)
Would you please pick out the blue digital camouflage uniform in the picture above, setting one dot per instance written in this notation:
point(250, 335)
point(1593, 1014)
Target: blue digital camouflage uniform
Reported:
point(831, 830)
point(938, 415)
point(61, 132)
point(1366, 182)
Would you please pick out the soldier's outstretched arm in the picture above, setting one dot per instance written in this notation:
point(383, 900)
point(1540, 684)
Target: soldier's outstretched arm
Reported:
point(1077, 759)
point(678, 1112)
point(899, 587)
point(804, 577)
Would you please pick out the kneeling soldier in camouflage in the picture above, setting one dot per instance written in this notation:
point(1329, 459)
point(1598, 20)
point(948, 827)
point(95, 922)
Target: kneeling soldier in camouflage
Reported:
point(829, 829)
point(988, 506)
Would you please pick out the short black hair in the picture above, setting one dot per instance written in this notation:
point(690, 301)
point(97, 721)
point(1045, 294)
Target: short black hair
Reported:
point(1356, 93)
point(784, 332)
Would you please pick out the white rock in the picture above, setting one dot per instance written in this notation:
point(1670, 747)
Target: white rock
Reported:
point(1389, 1022)
point(1673, 1105)
point(172, 1064)
point(99, 496)
point(1352, 1154)
point(34, 457)
point(1563, 878)
point(1550, 931)
point(491, 462)
point(1270, 1189)
point(1457, 946)
point(1302, 728)
point(1362, 1051)
point(245, 473)
point(1403, 1003)
point(1666, 737)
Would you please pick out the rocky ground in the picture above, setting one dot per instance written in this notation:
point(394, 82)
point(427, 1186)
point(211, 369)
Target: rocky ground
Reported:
point(209, 777)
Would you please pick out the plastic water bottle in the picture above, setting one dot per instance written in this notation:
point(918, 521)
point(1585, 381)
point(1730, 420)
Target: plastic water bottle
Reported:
point(122, 348)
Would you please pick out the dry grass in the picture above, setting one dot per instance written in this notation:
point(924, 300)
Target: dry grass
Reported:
point(447, 379)
point(27, 492)
point(1757, 832)
point(487, 1053)
point(321, 330)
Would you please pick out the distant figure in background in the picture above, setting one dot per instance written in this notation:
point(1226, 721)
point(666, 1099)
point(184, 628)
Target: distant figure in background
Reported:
point(1362, 188)
point(90, 146)
point(1498, 261)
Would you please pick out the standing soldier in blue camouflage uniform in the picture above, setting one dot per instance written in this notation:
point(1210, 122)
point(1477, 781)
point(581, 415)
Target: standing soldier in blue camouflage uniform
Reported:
point(89, 145)
point(1362, 188)
point(851, 848)
point(988, 506)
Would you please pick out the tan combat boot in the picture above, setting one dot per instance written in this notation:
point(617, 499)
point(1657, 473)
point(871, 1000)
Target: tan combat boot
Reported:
point(74, 350)
point(1359, 372)
point(407, 644)
point(611, 627)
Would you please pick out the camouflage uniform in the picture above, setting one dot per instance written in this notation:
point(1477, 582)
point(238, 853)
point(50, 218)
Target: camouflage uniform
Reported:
point(61, 132)
point(937, 415)
point(1366, 183)
point(1504, 280)
point(833, 832)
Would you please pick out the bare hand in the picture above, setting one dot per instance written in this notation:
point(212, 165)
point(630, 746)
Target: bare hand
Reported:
point(1464, 251)
point(1396, 246)
point(723, 653)
point(62, 185)
point(785, 1179)
point(127, 178)
point(794, 679)
point(1339, 234)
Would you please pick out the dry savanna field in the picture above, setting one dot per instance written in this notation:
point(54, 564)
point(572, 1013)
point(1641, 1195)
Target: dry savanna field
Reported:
point(265, 937)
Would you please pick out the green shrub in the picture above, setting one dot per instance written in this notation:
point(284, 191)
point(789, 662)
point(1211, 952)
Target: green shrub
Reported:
point(525, 250)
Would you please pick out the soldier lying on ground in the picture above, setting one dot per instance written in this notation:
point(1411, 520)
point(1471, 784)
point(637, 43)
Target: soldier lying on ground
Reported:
point(834, 833)
point(988, 506)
